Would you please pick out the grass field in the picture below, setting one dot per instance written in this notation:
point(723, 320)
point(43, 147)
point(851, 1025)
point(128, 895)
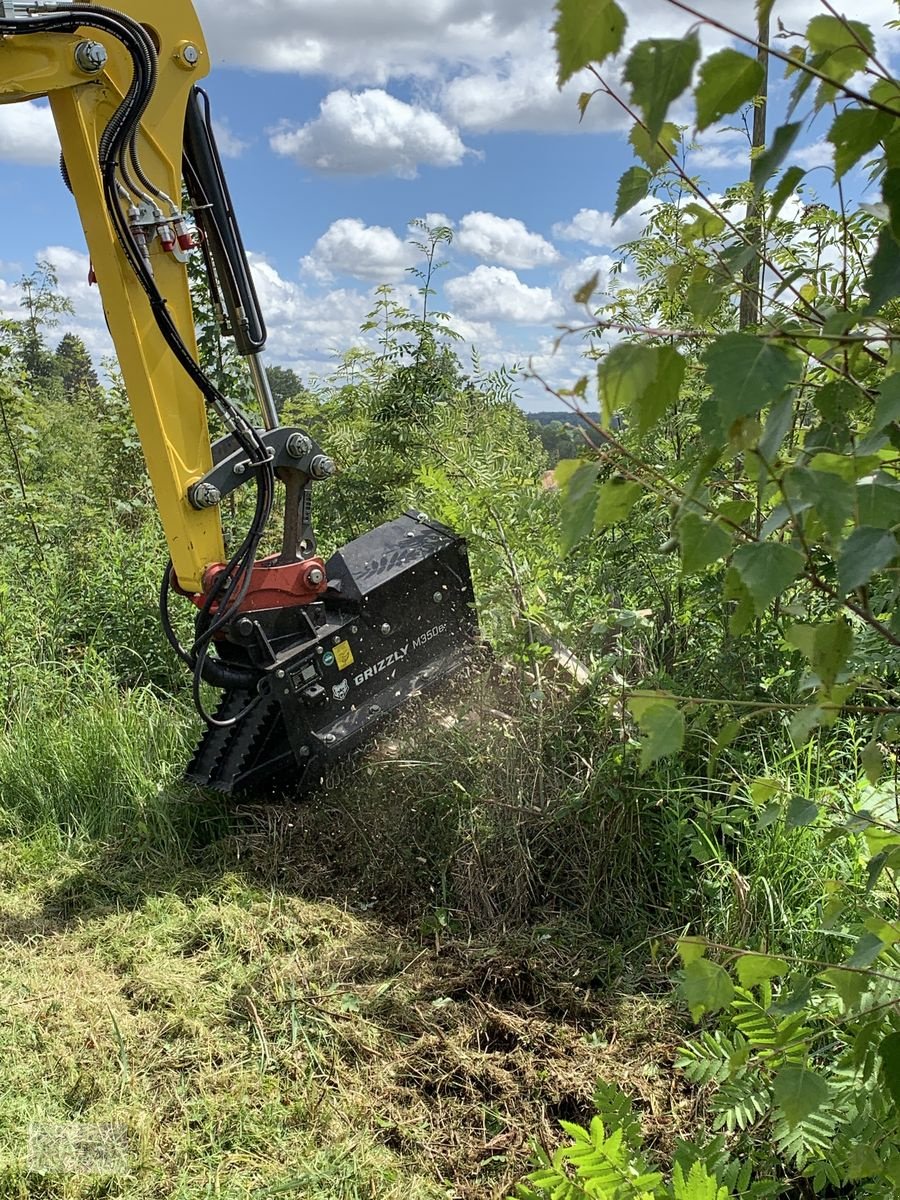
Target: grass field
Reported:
point(381, 992)
point(246, 1041)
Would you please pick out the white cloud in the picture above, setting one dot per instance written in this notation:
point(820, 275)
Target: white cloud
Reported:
point(577, 274)
point(520, 94)
point(496, 293)
point(504, 240)
point(370, 133)
point(28, 134)
point(597, 228)
point(816, 154)
point(308, 330)
point(359, 40)
point(230, 145)
point(349, 247)
point(718, 148)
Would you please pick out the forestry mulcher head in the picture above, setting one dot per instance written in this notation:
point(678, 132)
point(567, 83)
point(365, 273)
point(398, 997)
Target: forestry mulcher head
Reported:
point(309, 684)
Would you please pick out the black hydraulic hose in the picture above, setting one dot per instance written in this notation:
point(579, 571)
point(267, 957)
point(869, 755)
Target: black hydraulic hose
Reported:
point(118, 137)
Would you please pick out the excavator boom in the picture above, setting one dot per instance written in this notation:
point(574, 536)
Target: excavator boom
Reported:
point(310, 655)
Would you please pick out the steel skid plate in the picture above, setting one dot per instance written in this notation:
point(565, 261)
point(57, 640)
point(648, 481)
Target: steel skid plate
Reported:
point(397, 619)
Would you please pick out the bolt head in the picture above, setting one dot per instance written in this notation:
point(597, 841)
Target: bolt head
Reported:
point(245, 627)
point(90, 57)
point(438, 597)
point(386, 629)
point(190, 54)
point(279, 674)
point(205, 495)
point(315, 576)
point(240, 468)
point(322, 467)
point(297, 445)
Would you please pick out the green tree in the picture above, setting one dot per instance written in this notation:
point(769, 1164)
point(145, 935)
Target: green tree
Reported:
point(284, 382)
point(43, 305)
point(75, 370)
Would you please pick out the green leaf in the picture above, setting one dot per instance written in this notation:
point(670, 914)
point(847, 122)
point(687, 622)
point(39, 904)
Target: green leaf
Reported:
point(747, 373)
point(767, 163)
point(579, 500)
point(690, 949)
point(586, 31)
point(844, 55)
point(855, 132)
point(704, 293)
point(889, 1052)
point(878, 504)
point(701, 542)
point(659, 70)
point(799, 1093)
point(786, 186)
point(827, 647)
point(867, 951)
point(803, 722)
point(655, 151)
point(642, 380)
point(763, 790)
point(744, 611)
point(587, 289)
point(706, 987)
point(864, 552)
point(887, 407)
point(728, 80)
point(662, 725)
point(615, 500)
point(633, 187)
point(767, 569)
point(883, 281)
point(800, 812)
point(753, 969)
point(831, 497)
point(872, 762)
point(849, 985)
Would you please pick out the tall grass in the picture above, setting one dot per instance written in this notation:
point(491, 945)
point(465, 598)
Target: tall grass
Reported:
point(81, 754)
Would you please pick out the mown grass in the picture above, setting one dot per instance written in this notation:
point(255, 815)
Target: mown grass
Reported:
point(385, 991)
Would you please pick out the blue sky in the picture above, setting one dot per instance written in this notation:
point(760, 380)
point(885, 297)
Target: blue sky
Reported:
point(343, 119)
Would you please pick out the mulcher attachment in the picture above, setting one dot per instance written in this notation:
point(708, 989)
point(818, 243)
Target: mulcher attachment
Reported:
point(398, 617)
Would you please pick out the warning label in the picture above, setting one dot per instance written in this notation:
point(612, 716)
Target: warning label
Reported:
point(343, 655)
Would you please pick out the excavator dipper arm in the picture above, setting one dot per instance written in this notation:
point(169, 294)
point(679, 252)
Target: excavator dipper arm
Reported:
point(311, 656)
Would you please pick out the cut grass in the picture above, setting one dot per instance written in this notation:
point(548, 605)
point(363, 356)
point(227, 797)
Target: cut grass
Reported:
point(252, 1043)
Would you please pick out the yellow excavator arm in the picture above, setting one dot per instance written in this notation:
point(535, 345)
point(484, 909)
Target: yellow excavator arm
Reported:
point(310, 655)
point(85, 74)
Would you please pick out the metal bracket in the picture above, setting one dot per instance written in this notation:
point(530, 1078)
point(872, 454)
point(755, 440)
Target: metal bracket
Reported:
point(232, 469)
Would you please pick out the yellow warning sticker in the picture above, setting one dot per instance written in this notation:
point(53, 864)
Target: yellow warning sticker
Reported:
point(343, 655)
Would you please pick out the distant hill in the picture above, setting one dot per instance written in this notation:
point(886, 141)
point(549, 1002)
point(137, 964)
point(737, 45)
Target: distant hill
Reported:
point(558, 414)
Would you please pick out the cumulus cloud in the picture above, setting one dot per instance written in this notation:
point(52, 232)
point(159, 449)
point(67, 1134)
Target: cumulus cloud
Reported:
point(370, 133)
point(28, 134)
point(598, 229)
point(504, 240)
point(521, 94)
point(604, 266)
point(496, 293)
point(491, 62)
point(359, 40)
point(71, 267)
point(308, 330)
point(349, 247)
point(230, 145)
